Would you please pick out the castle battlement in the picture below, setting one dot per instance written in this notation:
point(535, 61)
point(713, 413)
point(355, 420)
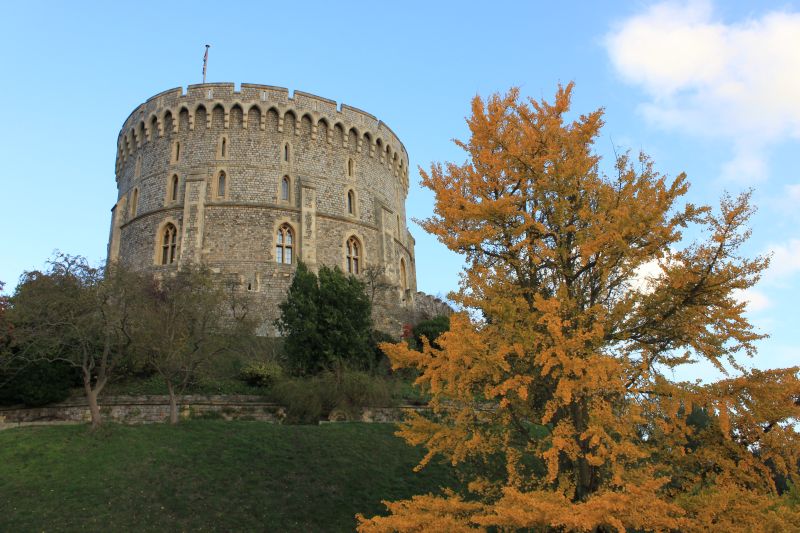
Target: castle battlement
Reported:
point(149, 119)
point(250, 181)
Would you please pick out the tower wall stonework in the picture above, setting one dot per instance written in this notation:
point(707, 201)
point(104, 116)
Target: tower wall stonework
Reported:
point(257, 136)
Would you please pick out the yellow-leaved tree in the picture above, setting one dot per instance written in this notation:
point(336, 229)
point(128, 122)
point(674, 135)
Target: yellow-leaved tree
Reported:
point(554, 395)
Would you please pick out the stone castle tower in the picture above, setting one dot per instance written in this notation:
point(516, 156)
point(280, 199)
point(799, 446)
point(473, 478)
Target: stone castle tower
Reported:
point(249, 182)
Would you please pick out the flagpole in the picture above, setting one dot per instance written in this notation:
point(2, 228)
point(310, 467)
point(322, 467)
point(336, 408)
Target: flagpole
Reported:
point(205, 62)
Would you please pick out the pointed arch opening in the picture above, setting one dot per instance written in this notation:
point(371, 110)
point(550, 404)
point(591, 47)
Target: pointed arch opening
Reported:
point(286, 188)
point(351, 202)
point(354, 254)
point(221, 184)
point(134, 202)
point(403, 278)
point(153, 128)
point(174, 185)
point(200, 117)
point(284, 245)
point(169, 244)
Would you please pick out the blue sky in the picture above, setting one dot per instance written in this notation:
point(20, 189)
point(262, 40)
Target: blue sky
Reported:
point(712, 89)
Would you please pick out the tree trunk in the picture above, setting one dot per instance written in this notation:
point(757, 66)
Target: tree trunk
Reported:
point(91, 398)
point(583, 469)
point(173, 404)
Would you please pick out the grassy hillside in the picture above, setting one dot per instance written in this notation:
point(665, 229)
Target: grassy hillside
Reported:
point(204, 475)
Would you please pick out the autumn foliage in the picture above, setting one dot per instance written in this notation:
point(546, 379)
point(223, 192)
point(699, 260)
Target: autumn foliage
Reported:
point(554, 394)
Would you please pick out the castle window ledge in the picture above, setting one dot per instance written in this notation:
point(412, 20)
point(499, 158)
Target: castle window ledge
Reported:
point(283, 270)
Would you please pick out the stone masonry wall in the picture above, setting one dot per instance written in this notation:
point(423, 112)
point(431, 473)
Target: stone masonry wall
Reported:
point(256, 137)
point(151, 409)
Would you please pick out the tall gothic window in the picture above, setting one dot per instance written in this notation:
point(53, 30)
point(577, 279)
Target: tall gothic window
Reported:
point(221, 185)
point(134, 202)
point(403, 279)
point(224, 148)
point(350, 168)
point(353, 255)
point(173, 190)
point(351, 202)
point(169, 239)
point(285, 189)
point(286, 152)
point(284, 245)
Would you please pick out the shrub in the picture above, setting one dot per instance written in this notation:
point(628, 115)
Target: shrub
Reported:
point(359, 389)
point(261, 373)
point(326, 322)
point(303, 401)
point(380, 364)
point(307, 400)
point(431, 329)
point(38, 383)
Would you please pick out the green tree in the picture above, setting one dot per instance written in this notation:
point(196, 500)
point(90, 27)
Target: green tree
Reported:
point(326, 322)
point(37, 382)
point(298, 323)
point(78, 314)
point(185, 320)
point(430, 329)
point(5, 338)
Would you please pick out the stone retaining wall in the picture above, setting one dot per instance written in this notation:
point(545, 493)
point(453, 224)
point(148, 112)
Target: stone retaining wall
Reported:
point(151, 409)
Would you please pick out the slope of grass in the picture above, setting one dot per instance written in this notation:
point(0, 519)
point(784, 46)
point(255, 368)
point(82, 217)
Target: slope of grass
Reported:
point(204, 475)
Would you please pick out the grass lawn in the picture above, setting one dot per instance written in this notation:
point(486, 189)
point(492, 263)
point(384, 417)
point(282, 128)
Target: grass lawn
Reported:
point(205, 475)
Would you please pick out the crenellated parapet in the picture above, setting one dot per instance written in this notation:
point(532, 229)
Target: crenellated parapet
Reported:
point(249, 182)
point(168, 112)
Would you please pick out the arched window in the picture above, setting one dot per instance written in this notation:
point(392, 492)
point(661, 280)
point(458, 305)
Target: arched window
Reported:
point(403, 280)
point(284, 245)
point(173, 188)
point(286, 152)
point(169, 240)
point(285, 189)
point(221, 184)
point(177, 150)
point(134, 202)
point(223, 148)
point(351, 202)
point(353, 255)
point(350, 168)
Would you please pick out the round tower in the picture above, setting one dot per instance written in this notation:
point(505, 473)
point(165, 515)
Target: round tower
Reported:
point(249, 182)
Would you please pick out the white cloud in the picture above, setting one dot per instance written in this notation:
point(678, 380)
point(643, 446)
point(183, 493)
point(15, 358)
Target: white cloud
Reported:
point(756, 300)
point(737, 81)
point(785, 261)
point(646, 277)
point(793, 193)
point(783, 205)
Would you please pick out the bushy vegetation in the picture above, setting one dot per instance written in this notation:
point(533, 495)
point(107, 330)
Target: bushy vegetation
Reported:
point(184, 322)
point(261, 373)
point(132, 334)
point(309, 399)
point(107, 321)
point(326, 322)
point(37, 383)
point(430, 329)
